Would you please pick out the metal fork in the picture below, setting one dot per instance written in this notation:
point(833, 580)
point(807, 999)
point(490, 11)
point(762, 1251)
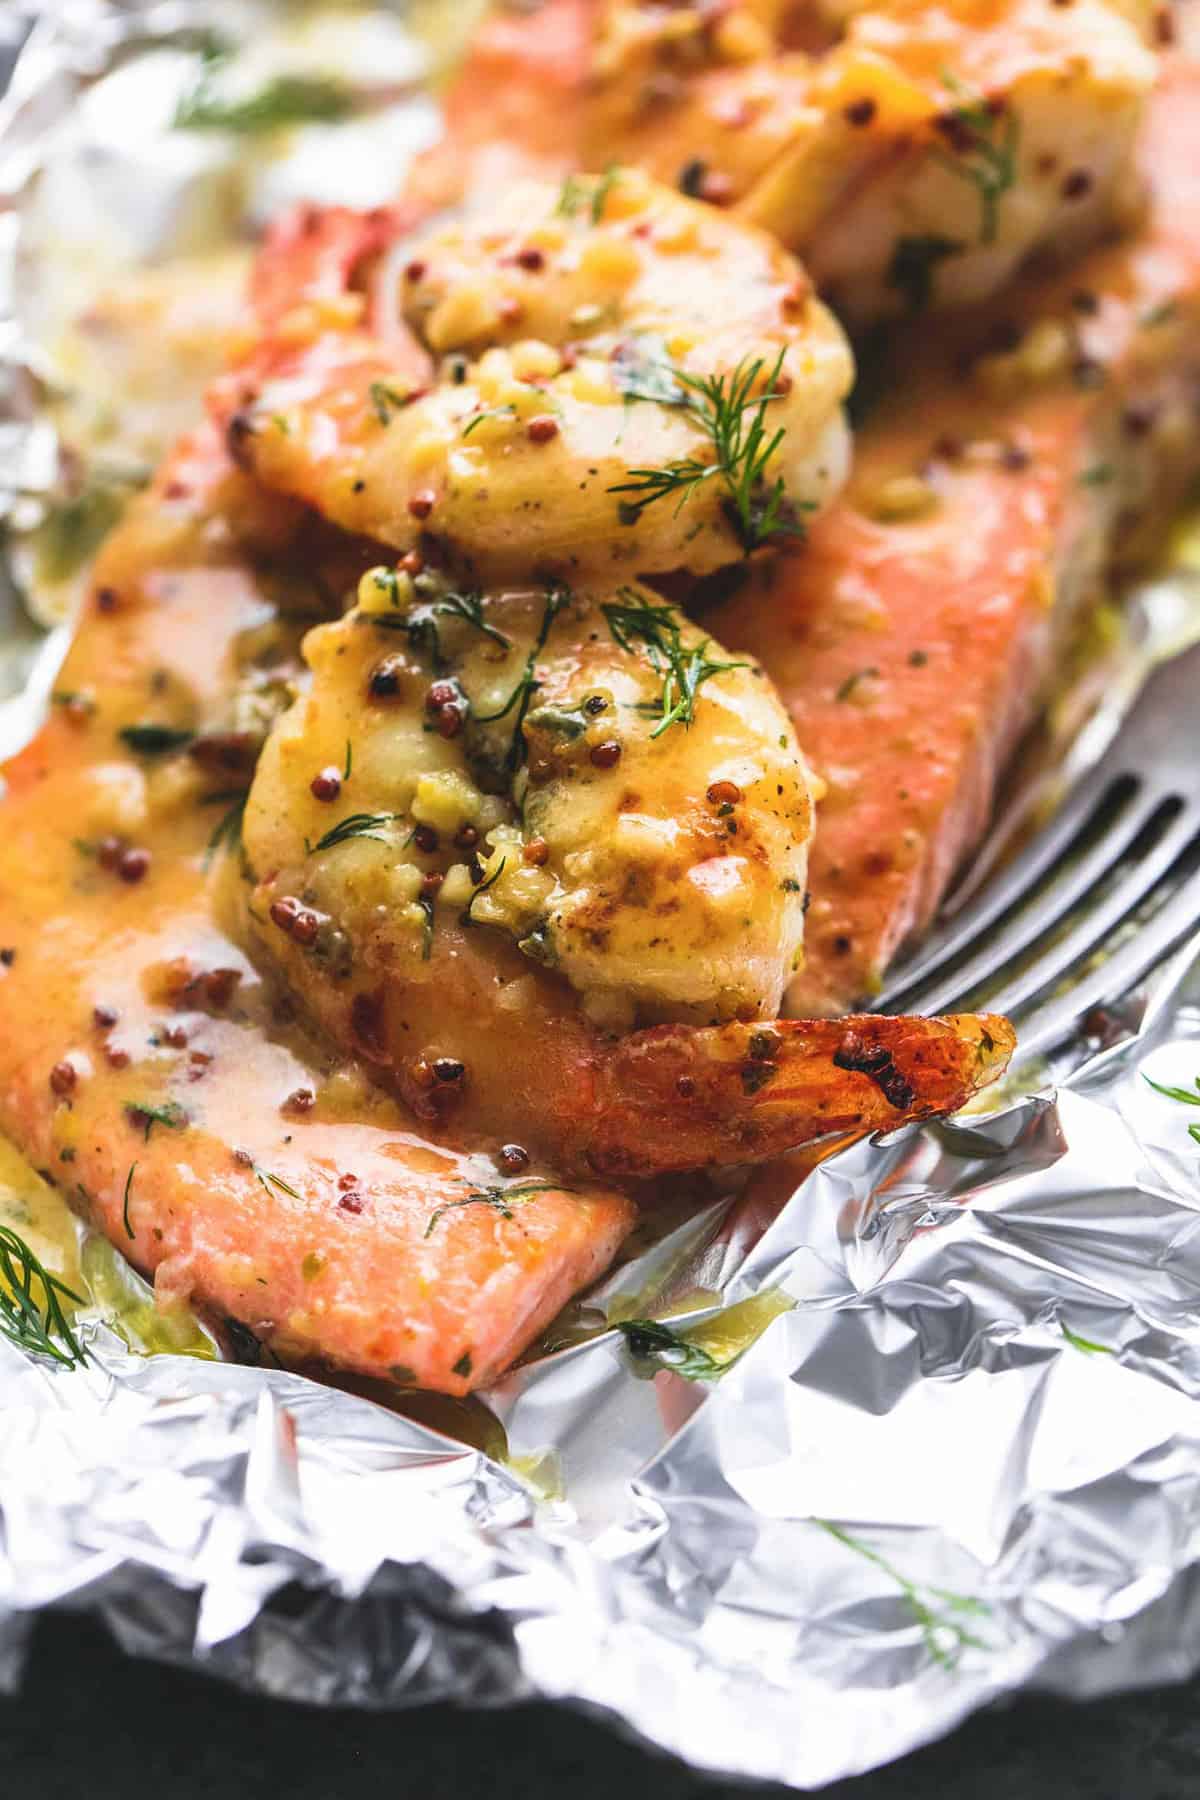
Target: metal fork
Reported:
point(1099, 896)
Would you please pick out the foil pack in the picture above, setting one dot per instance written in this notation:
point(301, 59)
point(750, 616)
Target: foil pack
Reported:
point(957, 1455)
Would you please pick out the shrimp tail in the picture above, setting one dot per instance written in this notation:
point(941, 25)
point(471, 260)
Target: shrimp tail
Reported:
point(751, 1092)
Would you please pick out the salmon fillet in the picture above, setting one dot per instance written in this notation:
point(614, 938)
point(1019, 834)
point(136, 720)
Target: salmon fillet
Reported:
point(148, 1071)
point(921, 629)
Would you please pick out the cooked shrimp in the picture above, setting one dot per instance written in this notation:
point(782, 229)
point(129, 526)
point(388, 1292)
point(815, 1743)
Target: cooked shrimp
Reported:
point(665, 374)
point(919, 154)
point(632, 802)
point(498, 832)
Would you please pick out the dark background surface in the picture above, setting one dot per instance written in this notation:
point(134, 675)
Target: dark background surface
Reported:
point(91, 1723)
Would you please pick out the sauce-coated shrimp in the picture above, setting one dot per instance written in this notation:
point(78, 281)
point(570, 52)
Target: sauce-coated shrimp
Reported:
point(597, 378)
point(911, 152)
point(631, 802)
point(478, 867)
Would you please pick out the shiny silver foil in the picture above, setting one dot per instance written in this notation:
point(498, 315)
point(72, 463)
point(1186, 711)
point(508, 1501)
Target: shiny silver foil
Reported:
point(965, 1461)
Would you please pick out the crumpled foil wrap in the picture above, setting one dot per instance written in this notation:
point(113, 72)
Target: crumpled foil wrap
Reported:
point(966, 1460)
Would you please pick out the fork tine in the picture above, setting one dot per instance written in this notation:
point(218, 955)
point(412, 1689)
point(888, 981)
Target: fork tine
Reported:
point(1054, 1021)
point(1096, 925)
point(956, 978)
point(1012, 882)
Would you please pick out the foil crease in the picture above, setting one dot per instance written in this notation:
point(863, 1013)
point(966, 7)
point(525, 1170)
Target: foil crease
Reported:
point(965, 1461)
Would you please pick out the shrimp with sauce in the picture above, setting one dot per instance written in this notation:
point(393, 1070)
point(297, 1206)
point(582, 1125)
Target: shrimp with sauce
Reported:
point(632, 803)
point(599, 377)
point(538, 857)
point(913, 153)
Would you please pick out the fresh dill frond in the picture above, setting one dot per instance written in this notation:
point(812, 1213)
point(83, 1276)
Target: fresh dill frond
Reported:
point(571, 196)
point(489, 412)
point(1088, 1345)
point(227, 833)
point(129, 1231)
point(170, 1114)
point(287, 100)
point(1186, 1096)
point(32, 1313)
point(500, 1199)
point(385, 400)
point(527, 684)
point(940, 1613)
point(421, 623)
point(984, 144)
point(355, 825)
point(731, 409)
point(641, 371)
point(577, 192)
point(268, 1181)
point(642, 628)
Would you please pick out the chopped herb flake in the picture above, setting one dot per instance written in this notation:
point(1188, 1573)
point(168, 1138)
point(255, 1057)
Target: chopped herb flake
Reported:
point(648, 1339)
point(154, 740)
point(914, 262)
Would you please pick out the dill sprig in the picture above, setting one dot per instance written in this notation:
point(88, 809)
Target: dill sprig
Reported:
point(734, 416)
point(468, 917)
point(421, 623)
point(500, 1199)
point(170, 1114)
point(1087, 1345)
point(227, 833)
point(940, 1613)
point(641, 371)
point(32, 1315)
point(385, 400)
point(527, 685)
point(639, 626)
point(287, 100)
point(267, 1181)
point(489, 412)
point(647, 1338)
point(355, 825)
point(1186, 1096)
point(576, 192)
point(985, 151)
point(129, 1231)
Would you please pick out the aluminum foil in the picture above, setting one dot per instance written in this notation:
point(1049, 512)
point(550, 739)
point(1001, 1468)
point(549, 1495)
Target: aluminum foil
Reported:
point(960, 1457)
